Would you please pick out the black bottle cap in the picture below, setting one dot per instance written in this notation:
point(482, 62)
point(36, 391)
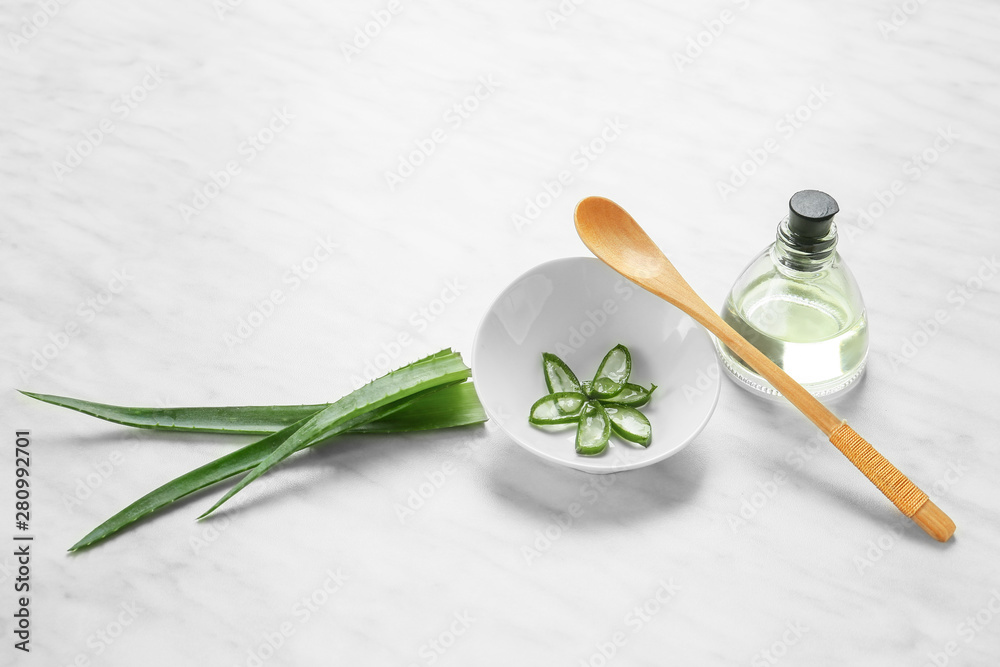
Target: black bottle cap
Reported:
point(810, 213)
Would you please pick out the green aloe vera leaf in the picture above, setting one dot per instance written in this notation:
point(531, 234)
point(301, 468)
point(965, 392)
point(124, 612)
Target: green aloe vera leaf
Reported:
point(234, 419)
point(633, 395)
point(630, 424)
point(612, 373)
point(242, 460)
point(455, 406)
point(558, 376)
point(594, 430)
point(452, 405)
point(562, 407)
point(353, 409)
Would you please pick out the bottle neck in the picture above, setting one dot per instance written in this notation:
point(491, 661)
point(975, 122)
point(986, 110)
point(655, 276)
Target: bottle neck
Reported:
point(806, 254)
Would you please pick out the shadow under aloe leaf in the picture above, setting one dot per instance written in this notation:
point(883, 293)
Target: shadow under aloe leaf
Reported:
point(117, 435)
point(337, 451)
point(175, 505)
point(344, 452)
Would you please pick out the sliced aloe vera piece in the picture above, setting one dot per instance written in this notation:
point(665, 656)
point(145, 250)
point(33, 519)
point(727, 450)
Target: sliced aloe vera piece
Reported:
point(560, 408)
point(630, 424)
point(558, 376)
point(612, 373)
point(631, 394)
point(594, 430)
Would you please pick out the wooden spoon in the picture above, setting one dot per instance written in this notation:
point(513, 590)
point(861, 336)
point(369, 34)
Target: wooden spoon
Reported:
point(611, 234)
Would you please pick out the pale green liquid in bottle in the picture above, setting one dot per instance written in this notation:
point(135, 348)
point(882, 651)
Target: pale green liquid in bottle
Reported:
point(798, 303)
point(818, 341)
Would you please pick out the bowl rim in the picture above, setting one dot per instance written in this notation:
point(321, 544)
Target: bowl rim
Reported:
point(594, 465)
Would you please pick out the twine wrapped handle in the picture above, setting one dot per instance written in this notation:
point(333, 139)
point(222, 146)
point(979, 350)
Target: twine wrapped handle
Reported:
point(903, 493)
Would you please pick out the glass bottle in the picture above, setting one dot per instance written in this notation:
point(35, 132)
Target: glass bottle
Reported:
point(798, 303)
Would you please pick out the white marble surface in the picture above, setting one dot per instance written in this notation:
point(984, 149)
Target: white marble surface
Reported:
point(175, 90)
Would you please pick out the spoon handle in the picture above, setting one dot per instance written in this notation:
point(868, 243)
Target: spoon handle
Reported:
point(903, 493)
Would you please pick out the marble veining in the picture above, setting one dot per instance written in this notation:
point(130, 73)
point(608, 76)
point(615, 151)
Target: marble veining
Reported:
point(236, 202)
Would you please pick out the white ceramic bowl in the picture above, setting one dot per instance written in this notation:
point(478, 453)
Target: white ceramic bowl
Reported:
point(579, 308)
